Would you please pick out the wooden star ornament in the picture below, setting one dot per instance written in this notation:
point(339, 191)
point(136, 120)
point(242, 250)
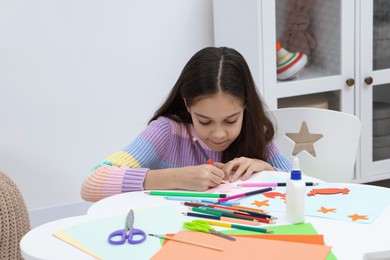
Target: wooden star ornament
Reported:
point(304, 140)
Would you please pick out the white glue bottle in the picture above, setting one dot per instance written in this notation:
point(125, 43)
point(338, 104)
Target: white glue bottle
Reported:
point(295, 195)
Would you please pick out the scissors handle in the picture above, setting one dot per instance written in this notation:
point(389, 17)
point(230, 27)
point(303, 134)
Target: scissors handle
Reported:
point(135, 232)
point(204, 226)
point(117, 237)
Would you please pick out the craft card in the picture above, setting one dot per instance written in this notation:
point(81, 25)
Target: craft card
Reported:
point(348, 202)
point(242, 248)
point(303, 233)
point(91, 237)
point(223, 188)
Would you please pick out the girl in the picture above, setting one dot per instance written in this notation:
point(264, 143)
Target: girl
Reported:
point(214, 101)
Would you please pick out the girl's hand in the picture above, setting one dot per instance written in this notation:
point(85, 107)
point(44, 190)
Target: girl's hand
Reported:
point(200, 177)
point(243, 168)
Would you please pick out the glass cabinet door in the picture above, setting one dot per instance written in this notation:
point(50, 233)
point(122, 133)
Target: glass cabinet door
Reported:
point(327, 39)
point(375, 87)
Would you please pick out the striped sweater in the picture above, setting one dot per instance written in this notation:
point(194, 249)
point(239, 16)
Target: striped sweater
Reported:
point(164, 143)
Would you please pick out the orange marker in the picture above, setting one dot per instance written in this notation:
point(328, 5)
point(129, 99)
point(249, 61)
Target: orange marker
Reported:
point(249, 208)
point(209, 161)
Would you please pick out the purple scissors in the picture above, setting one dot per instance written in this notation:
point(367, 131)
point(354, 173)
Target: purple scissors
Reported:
point(123, 235)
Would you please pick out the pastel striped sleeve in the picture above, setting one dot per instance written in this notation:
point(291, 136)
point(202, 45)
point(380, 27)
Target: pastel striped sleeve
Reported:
point(110, 180)
point(125, 170)
point(277, 159)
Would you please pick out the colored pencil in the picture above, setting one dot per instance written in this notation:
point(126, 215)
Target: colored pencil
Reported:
point(246, 194)
point(186, 194)
point(255, 213)
point(228, 225)
point(225, 203)
point(241, 215)
point(183, 199)
point(231, 215)
point(270, 184)
point(200, 204)
point(195, 199)
point(229, 209)
point(249, 208)
point(222, 218)
point(250, 213)
point(186, 242)
point(260, 219)
point(209, 161)
point(220, 214)
point(198, 215)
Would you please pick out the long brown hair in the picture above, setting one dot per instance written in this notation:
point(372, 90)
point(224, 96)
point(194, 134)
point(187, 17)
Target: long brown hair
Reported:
point(224, 69)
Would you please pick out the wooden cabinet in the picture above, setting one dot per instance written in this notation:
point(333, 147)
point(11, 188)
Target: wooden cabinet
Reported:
point(339, 69)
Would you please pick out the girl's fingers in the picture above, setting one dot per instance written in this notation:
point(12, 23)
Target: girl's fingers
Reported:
point(219, 165)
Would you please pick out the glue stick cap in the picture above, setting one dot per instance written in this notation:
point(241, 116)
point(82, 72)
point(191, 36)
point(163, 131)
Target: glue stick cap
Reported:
point(296, 171)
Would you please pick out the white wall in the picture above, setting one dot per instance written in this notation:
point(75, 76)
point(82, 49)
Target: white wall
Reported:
point(80, 78)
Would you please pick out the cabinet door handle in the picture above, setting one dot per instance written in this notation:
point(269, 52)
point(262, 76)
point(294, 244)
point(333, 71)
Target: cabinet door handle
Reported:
point(368, 80)
point(350, 82)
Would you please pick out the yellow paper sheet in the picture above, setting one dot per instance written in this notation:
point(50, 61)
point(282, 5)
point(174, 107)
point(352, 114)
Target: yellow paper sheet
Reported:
point(66, 238)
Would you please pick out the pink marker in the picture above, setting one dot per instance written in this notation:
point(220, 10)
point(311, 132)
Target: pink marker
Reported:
point(270, 184)
point(246, 194)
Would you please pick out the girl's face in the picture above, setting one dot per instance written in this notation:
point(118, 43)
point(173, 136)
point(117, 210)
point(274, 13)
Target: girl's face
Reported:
point(217, 120)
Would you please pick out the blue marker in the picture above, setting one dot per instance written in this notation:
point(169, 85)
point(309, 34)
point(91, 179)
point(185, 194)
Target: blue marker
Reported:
point(225, 203)
point(190, 199)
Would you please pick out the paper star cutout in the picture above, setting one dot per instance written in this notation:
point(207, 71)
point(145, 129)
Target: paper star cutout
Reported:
point(326, 210)
point(274, 194)
point(260, 203)
point(355, 217)
point(304, 140)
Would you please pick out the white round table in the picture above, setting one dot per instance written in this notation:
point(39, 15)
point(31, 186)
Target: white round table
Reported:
point(349, 240)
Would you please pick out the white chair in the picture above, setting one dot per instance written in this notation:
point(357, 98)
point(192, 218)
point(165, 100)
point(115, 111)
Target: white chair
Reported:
point(325, 141)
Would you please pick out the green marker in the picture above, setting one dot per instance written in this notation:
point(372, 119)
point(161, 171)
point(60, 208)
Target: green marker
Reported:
point(186, 194)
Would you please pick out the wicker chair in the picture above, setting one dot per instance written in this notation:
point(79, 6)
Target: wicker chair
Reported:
point(14, 219)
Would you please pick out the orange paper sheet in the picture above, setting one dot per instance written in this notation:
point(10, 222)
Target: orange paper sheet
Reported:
point(243, 247)
point(309, 239)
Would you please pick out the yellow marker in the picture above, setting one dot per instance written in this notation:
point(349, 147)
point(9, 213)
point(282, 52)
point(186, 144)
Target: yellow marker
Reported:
point(220, 224)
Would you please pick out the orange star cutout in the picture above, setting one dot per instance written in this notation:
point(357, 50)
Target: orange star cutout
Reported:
point(260, 203)
point(274, 194)
point(355, 217)
point(326, 210)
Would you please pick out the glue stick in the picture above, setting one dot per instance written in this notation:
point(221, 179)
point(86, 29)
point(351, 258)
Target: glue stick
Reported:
point(295, 195)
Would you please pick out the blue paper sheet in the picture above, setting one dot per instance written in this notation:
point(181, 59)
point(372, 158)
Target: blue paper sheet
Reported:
point(93, 235)
point(359, 205)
